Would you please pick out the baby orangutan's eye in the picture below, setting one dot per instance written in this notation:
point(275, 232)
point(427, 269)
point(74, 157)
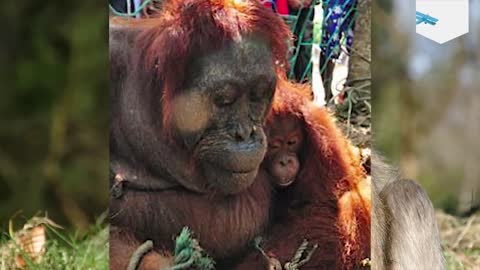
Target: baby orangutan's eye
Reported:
point(292, 142)
point(274, 145)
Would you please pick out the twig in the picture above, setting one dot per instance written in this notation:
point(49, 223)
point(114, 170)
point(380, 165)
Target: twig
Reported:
point(464, 231)
point(297, 261)
point(139, 253)
point(364, 58)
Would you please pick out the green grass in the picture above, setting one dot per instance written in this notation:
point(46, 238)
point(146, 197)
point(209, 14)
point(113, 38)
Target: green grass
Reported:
point(65, 251)
point(460, 240)
point(463, 259)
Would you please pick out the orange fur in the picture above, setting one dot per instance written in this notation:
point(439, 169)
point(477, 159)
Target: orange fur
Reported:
point(337, 216)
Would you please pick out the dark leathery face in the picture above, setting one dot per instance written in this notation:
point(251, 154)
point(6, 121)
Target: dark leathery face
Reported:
point(220, 112)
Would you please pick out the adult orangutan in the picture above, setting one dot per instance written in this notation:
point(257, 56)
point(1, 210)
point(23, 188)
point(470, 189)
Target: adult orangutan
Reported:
point(190, 91)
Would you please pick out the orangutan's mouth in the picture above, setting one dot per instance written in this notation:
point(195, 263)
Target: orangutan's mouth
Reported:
point(285, 183)
point(229, 181)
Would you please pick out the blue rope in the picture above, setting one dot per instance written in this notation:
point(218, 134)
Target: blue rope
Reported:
point(136, 12)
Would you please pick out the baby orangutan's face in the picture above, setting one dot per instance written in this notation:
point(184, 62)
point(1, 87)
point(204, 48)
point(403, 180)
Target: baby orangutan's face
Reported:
point(285, 140)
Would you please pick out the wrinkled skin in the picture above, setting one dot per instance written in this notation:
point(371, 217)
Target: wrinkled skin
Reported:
point(231, 90)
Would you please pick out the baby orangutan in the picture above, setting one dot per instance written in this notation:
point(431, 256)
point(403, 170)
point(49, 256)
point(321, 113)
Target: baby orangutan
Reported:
point(285, 140)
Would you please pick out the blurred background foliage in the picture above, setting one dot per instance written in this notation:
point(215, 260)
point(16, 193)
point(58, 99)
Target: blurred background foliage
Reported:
point(53, 110)
point(426, 104)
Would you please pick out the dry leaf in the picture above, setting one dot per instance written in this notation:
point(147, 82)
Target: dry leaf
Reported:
point(32, 242)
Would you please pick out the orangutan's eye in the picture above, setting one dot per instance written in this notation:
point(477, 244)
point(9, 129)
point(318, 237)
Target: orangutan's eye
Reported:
point(292, 142)
point(274, 145)
point(226, 96)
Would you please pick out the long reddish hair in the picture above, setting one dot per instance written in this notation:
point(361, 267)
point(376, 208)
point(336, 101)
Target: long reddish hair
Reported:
point(184, 29)
point(331, 177)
